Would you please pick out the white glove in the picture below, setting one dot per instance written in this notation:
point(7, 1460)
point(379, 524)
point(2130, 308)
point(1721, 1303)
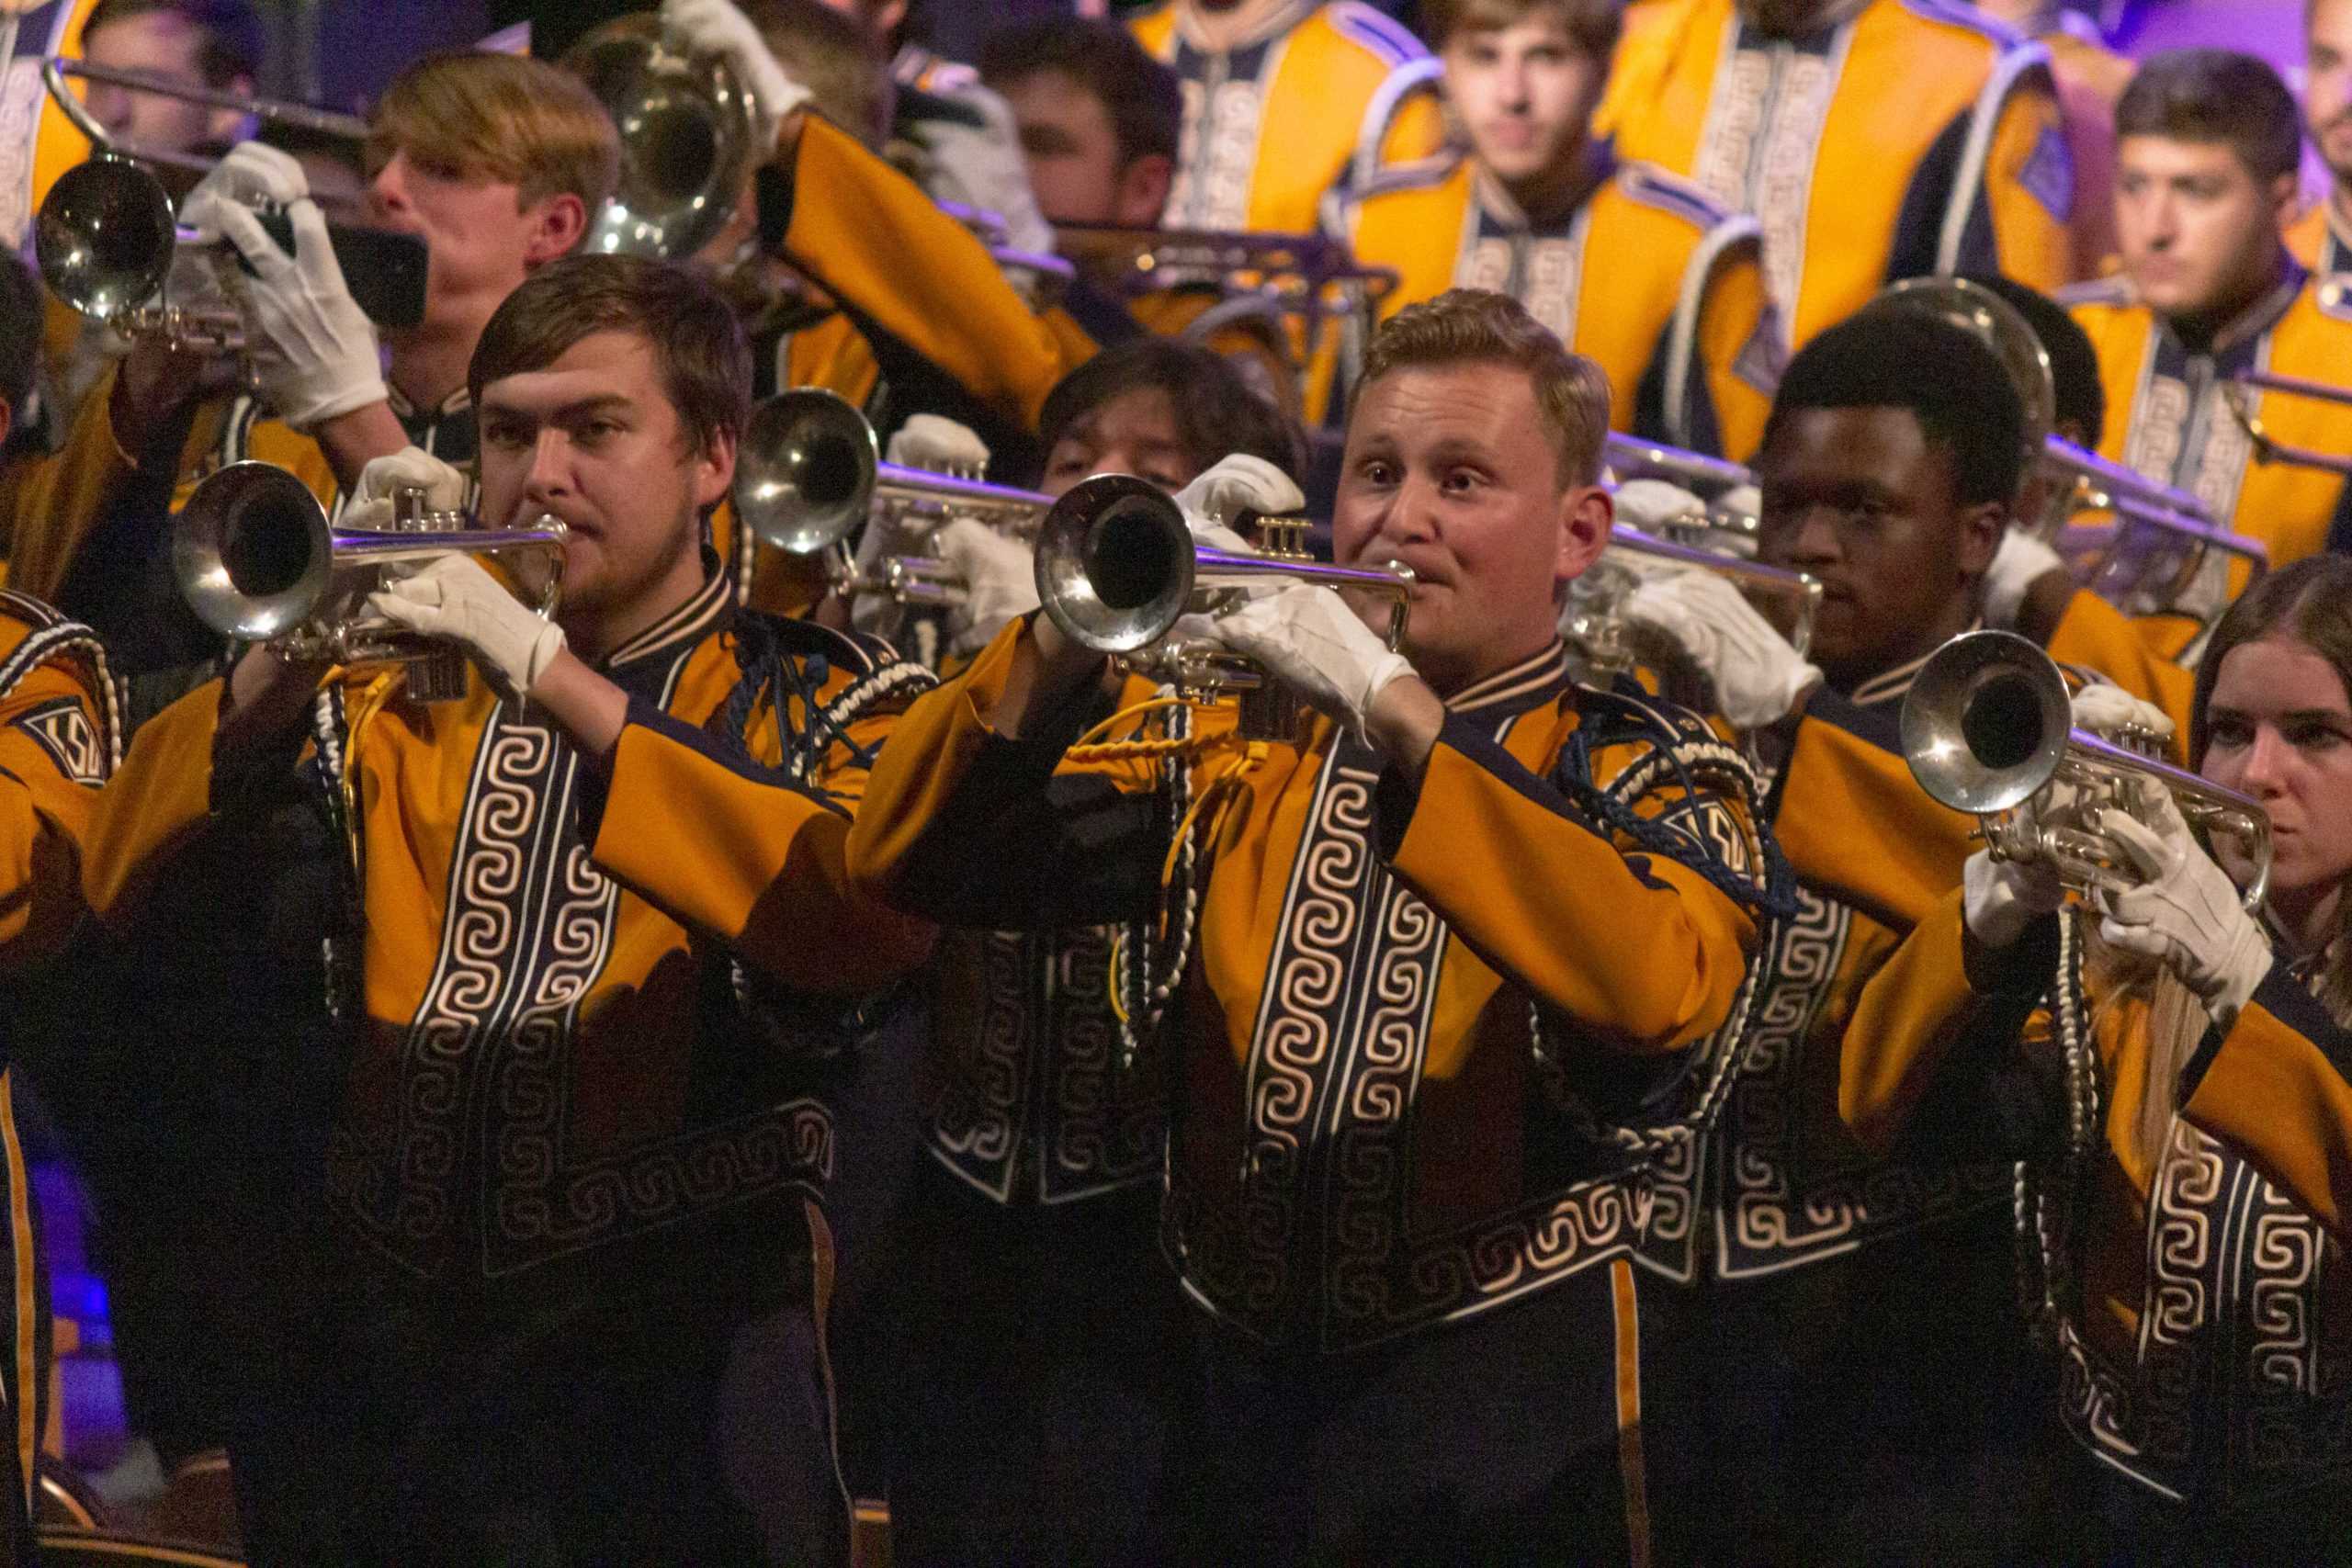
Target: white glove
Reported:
point(715, 26)
point(1652, 505)
point(1230, 486)
point(1757, 675)
point(942, 446)
point(311, 346)
point(2186, 913)
point(1999, 898)
point(381, 482)
point(1313, 643)
point(985, 167)
point(250, 175)
point(2021, 561)
point(2104, 709)
point(453, 598)
point(999, 581)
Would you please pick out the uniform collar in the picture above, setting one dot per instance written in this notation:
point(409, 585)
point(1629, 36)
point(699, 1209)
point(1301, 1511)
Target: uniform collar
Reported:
point(2260, 316)
point(710, 608)
point(1529, 683)
point(1280, 20)
point(1819, 39)
point(1893, 685)
point(410, 415)
point(1499, 204)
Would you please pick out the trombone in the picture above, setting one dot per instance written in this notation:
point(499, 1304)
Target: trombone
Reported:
point(257, 562)
point(1987, 728)
point(56, 68)
point(1118, 567)
point(2267, 450)
point(1313, 277)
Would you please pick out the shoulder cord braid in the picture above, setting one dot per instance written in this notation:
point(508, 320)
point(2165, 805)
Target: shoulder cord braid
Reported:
point(2050, 1198)
point(71, 639)
point(1767, 892)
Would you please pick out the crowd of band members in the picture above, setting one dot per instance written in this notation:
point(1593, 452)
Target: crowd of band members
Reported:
point(762, 1071)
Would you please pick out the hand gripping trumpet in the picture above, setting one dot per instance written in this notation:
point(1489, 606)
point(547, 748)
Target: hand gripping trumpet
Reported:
point(1596, 628)
point(1117, 568)
point(256, 560)
point(1987, 729)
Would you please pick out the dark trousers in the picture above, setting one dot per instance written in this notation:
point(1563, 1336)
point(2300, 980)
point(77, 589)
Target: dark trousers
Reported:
point(1045, 1355)
point(670, 1430)
point(1495, 1439)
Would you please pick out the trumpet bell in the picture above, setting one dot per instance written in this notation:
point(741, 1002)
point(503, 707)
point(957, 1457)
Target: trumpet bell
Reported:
point(686, 134)
point(804, 472)
point(105, 236)
point(252, 552)
point(1116, 563)
point(1987, 723)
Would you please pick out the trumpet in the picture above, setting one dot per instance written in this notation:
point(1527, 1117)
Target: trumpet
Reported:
point(688, 134)
point(1596, 629)
point(256, 560)
point(1987, 728)
point(2267, 450)
point(1117, 568)
point(811, 472)
point(104, 241)
point(1717, 520)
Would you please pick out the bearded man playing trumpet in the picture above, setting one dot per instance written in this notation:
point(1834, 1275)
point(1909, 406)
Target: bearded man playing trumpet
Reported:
point(1465, 911)
point(592, 964)
point(2180, 1063)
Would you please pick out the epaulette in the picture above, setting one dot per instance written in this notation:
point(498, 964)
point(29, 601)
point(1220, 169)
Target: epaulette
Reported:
point(1968, 19)
point(1421, 173)
point(1385, 37)
point(1670, 192)
point(2114, 290)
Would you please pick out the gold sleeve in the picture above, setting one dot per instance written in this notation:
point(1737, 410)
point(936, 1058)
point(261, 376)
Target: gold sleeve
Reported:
point(1905, 1025)
point(160, 798)
point(46, 811)
point(54, 502)
point(1853, 822)
point(2275, 1087)
point(2096, 635)
point(1416, 131)
point(1738, 349)
point(2029, 232)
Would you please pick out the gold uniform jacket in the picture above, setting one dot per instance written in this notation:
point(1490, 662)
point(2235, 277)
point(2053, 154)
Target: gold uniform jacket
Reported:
point(1779, 1183)
point(2167, 418)
point(593, 1014)
point(1322, 88)
point(2203, 1313)
point(1651, 277)
point(1400, 1008)
point(1912, 138)
point(2316, 241)
point(60, 737)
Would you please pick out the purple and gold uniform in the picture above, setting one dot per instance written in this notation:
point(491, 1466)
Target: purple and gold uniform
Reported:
point(2316, 240)
point(2168, 415)
point(1397, 1003)
point(1651, 277)
point(2200, 1304)
point(1905, 139)
point(1321, 90)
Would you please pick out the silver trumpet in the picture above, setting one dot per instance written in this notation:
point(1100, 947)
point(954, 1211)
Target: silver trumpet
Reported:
point(1595, 626)
point(1117, 568)
point(256, 560)
point(1987, 728)
point(105, 238)
point(1716, 521)
point(809, 472)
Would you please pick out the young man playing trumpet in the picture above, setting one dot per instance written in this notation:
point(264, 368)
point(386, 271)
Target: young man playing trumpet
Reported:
point(1831, 1292)
point(1453, 921)
point(593, 967)
point(1637, 268)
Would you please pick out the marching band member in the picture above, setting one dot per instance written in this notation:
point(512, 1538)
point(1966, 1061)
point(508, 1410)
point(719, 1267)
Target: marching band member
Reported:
point(1047, 1349)
point(2316, 239)
point(497, 162)
point(2207, 143)
point(1637, 268)
point(1886, 471)
point(597, 964)
point(60, 734)
point(2089, 77)
point(215, 44)
point(1436, 938)
point(1284, 101)
point(2188, 1242)
point(1876, 141)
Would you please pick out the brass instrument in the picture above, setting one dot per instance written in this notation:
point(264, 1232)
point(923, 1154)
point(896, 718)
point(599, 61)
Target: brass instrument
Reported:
point(809, 473)
point(1723, 519)
point(1987, 728)
point(1117, 568)
point(1314, 278)
point(688, 136)
point(257, 562)
point(55, 69)
point(2266, 449)
point(1595, 628)
point(2162, 549)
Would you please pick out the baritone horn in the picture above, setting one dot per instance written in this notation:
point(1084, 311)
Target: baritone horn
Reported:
point(257, 562)
point(1987, 728)
point(688, 134)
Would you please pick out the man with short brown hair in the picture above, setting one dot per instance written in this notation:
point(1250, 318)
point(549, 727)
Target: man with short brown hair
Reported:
point(1416, 949)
